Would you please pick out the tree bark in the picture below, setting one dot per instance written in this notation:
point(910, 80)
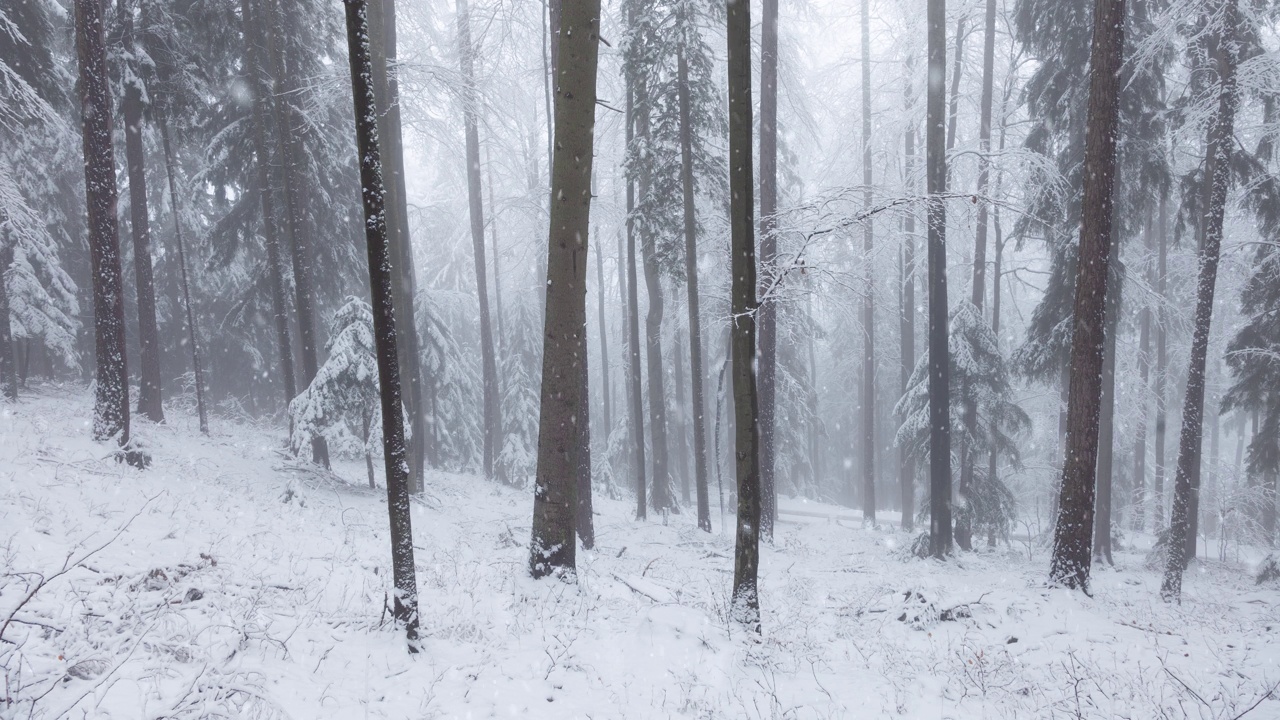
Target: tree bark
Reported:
point(606, 390)
point(907, 320)
point(8, 361)
point(939, 354)
point(111, 403)
point(1159, 511)
point(1073, 530)
point(957, 67)
point(768, 318)
point(405, 608)
point(868, 297)
point(197, 370)
point(697, 370)
point(254, 30)
point(553, 547)
point(295, 221)
point(492, 411)
point(745, 599)
point(384, 41)
point(1139, 494)
point(633, 324)
point(1104, 501)
point(680, 424)
point(1217, 172)
point(149, 386)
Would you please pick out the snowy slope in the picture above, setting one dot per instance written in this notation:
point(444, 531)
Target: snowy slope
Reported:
point(228, 581)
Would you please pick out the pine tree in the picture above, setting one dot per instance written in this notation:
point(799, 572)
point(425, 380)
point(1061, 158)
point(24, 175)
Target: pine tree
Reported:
point(405, 607)
point(553, 545)
point(746, 597)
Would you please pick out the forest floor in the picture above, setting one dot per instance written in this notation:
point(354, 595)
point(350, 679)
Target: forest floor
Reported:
point(229, 581)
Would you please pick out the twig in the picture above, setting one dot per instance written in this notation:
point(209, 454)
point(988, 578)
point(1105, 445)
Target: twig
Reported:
point(1194, 694)
point(1258, 702)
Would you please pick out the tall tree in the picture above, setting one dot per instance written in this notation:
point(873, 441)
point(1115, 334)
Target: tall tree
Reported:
point(868, 296)
point(698, 371)
point(1224, 50)
point(405, 604)
point(606, 390)
point(553, 547)
point(132, 105)
point(768, 319)
point(386, 74)
point(492, 412)
point(111, 407)
point(633, 319)
point(742, 267)
point(907, 314)
point(939, 366)
point(1160, 503)
point(1138, 498)
point(8, 359)
point(288, 132)
point(252, 14)
point(1073, 530)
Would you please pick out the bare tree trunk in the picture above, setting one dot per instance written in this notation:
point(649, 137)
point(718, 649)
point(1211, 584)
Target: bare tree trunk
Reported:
point(383, 39)
point(1159, 512)
point(553, 547)
point(493, 248)
point(768, 319)
point(111, 406)
point(745, 599)
point(405, 607)
point(606, 390)
point(254, 30)
point(1073, 530)
point(939, 353)
point(633, 324)
point(868, 297)
point(1217, 172)
point(907, 317)
point(957, 67)
point(368, 451)
point(697, 371)
point(8, 363)
point(295, 222)
point(149, 397)
point(1106, 421)
point(680, 404)
point(197, 370)
point(492, 411)
point(1139, 495)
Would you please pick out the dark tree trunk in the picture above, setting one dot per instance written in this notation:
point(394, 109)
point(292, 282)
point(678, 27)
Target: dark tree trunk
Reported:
point(197, 370)
point(295, 221)
point(1104, 501)
point(111, 406)
point(984, 150)
point(1217, 172)
point(582, 451)
point(633, 325)
point(697, 370)
point(8, 361)
point(149, 398)
point(939, 353)
point(555, 498)
point(768, 320)
point(1073, 530)
point(254, 30)
point(868, 297)
point(383, 39)
point(907, 325)
point(606, 390)
point(1139, 494)
point(745, 599)
point(953, 110)
point(405, 609)
point(492, 411)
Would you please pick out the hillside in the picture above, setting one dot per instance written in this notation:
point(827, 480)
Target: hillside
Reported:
point(230, 581)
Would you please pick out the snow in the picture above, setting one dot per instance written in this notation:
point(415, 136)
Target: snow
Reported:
point(244, 584)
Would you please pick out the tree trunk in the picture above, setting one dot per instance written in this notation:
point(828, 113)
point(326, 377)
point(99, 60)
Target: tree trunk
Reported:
point(956, 69)
point(939, 353)
point(1217, 172)
point(1139, 494)
point(1073, 530)
point(492, 411)
point(111, 405)
point(1159, 511)
point(606, 390)
point(697, 370)
point(555, 498)
point(768, 320)
point(295, 220)
point(197, 370)
point(868, 297)
point(1103, 502)
point(149, 398)
point(680, 403)
point(907, 322)
point(254, 30)
point(493, 248)
point(633, 324)
point(745, 599)
point(405, 609)
point(383, 37)
point(368, 451)
point(8, 361)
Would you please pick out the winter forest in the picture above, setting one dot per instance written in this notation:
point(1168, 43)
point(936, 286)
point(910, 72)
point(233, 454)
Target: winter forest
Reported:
point(639, 358)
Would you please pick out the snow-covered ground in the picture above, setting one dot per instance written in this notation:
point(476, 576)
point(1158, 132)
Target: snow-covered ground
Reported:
point(227, 581)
